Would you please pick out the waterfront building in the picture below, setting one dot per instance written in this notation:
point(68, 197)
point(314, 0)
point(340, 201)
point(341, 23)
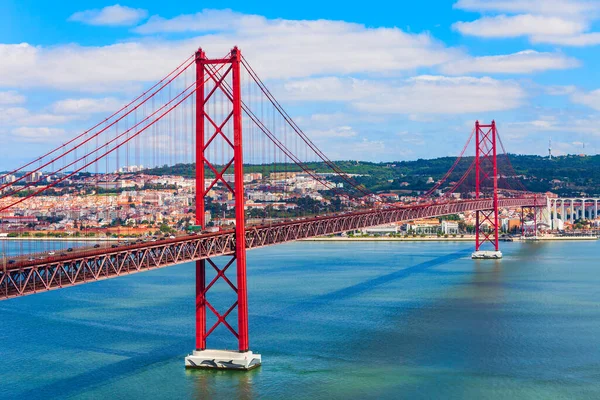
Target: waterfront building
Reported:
point(449, 227)
point(382, 229)
point(429, 226)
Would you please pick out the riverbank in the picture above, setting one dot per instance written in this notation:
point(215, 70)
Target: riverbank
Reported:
point(554, 238)
point(389, 239)
point(69, 239)
point(469, 238)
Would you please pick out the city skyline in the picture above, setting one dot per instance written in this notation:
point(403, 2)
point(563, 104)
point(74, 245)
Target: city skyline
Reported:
point(392, 86)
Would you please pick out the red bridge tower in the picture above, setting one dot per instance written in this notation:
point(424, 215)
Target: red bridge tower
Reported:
point(221, 77)
point(486, 183)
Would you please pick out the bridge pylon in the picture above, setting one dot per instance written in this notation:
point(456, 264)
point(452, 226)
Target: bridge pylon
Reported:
point(219, 126)
point(487, 224)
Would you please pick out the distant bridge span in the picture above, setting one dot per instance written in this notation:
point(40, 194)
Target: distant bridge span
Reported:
point(90, 265)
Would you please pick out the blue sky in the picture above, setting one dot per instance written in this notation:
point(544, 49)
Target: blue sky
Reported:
point(391, 81)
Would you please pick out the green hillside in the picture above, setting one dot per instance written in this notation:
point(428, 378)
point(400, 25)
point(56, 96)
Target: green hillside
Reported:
point(564, 175)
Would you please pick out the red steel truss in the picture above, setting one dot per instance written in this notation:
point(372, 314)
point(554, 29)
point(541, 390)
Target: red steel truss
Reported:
point(486, 170)
point(90, 265)
point(204, 140)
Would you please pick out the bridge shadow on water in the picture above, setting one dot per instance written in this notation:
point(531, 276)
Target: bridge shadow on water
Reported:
point(370, 284)
point(96, 376)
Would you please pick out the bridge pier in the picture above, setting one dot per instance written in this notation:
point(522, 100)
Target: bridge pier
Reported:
point(223, 359)
point(486, 255)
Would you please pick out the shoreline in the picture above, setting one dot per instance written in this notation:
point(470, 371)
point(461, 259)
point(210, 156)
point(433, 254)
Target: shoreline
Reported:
point(551, 238)
point(387, 239)
point(68, 239)
point(437, 239)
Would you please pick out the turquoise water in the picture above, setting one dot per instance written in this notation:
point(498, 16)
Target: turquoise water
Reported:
point(15, 247)
point(331, 320)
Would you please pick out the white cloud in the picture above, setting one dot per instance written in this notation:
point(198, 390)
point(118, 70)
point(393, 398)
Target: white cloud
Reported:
point(559, 22)
point(424, 94)
point(446, 95)
point(590, 99)
point(74, 67)
point(564, 148)
point(37, 134)
point(544, 124)
point(581, 40)
point(524, 62)
point(205, 21)
point(544, 7)
point(329, 118)
point(337, 132)
point(561, 127)
point(538, 124)
point(416, 139)
point(21, 116)
point(10, 114)
point(11, 97)
point(87, 105)
point(558, 90)
point(304, 48)
point(365, 149)
point(116, 15)
point(329, 88)
point(503, 26)
point(567, 130)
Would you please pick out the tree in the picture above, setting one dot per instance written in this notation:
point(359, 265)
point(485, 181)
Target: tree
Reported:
point(164, 228)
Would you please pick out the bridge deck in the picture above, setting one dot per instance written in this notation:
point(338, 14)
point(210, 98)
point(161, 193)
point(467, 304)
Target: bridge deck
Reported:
point(84, 265)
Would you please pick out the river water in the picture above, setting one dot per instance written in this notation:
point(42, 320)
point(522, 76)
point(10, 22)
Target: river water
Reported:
point(332, 320)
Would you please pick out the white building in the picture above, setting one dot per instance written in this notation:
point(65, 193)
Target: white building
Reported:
point(558, 224)
point(34, 177)
point(115, 185)
point(449, 227)
point(8, 179)
point(381, 230)
point(427, 227)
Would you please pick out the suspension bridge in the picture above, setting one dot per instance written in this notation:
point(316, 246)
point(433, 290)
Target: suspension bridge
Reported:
point(219, 114)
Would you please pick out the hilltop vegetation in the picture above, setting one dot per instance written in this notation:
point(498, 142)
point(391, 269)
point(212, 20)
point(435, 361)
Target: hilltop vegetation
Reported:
point(564, 175)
